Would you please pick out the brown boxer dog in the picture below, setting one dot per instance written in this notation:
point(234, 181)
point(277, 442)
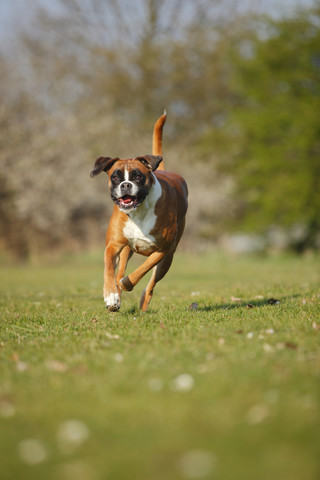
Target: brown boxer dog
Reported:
point(148, 218)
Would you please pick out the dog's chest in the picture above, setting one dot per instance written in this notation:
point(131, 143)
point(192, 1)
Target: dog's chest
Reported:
point(137, 232)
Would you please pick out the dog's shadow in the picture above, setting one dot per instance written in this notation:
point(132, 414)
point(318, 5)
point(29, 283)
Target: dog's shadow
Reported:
point(215, 307)
point(245, 304)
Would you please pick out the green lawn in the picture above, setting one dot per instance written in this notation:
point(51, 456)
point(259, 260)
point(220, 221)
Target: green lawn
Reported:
point(220, 391)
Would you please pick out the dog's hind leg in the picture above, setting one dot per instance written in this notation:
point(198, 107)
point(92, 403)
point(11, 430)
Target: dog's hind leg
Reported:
point(158, 273)
point(129, 282)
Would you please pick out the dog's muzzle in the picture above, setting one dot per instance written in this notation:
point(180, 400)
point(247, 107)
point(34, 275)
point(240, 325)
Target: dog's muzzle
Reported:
point(126, 196)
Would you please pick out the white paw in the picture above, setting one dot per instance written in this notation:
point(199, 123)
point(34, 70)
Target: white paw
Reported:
point(112, 302)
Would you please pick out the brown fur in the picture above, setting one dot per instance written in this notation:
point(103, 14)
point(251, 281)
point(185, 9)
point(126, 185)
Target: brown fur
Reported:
point(170, 210)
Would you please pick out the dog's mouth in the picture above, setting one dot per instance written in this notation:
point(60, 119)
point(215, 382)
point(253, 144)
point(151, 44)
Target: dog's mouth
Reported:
point(127, 202)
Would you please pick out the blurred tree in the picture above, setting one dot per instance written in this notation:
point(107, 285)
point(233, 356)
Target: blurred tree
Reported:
point(91, 79)
point(134, 58)
point(93, 76)
point(270, 141)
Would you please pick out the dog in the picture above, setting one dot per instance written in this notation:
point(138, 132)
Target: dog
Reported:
point(148, 218)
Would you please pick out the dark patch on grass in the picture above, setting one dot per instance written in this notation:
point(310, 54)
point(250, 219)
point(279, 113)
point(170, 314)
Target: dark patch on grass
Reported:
point(244, 304)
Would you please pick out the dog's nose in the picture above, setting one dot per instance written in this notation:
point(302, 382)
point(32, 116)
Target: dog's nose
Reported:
point(125, 186)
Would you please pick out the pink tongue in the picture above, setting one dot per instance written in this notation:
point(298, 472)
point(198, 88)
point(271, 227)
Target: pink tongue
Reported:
point(126, 199)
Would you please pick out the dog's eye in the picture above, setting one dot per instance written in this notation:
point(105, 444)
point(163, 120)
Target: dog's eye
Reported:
point(115, 179)
point(137, 176)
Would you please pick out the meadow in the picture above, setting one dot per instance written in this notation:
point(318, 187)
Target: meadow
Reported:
point(219, 380)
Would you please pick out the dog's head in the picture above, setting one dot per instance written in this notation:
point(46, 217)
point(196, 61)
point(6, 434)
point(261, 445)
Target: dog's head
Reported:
point(130, 180)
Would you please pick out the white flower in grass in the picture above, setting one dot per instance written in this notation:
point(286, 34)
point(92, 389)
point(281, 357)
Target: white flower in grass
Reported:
point(71, 435)
point(182, 383)
point(257, 414)
point(7, 410)
point(21, 366)
point(196, 464)
point(267, 348)
point(32, 451)
point(56, 366)
point(269, 331)
point(118, 357)
point(155, 384)
point(112, 336)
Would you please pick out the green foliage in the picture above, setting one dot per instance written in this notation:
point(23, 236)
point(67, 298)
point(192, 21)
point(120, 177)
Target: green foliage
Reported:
point(242, 95)
point(99, 394)
point(271, 139)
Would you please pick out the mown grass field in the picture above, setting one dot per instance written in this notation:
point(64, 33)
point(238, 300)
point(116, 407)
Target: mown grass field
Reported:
point(220, 391)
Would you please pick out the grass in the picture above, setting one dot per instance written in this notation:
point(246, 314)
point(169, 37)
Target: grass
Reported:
point(220, 391)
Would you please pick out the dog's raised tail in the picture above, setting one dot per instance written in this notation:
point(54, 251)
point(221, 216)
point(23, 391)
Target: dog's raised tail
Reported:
point(157, 138)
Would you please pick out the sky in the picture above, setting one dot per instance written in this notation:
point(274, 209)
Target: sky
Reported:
point(17, 14)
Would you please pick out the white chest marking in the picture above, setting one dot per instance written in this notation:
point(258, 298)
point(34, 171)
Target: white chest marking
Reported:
point(142, 220)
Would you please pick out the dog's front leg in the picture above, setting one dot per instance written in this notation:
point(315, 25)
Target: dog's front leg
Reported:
point(124, 257)
point(131, 280)
point(110, 290)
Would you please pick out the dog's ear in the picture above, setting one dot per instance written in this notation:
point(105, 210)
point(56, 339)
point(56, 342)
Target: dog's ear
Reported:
point(152, 162)
point(102, 164)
